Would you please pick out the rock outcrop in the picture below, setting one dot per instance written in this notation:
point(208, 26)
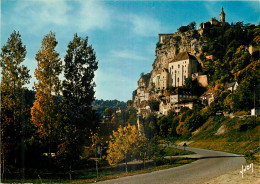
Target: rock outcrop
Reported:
point(169, 47)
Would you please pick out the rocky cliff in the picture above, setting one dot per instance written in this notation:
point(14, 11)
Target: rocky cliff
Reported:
point(168, 48)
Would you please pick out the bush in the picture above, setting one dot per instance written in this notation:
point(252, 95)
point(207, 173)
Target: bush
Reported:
point(241, 113)
point(160, 161)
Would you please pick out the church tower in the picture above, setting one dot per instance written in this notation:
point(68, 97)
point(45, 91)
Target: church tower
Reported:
point(222, 16)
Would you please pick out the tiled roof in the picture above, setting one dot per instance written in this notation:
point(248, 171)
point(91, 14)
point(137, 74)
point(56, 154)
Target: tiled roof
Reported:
point(159, 71)
point(231, 84)
point(182, 56)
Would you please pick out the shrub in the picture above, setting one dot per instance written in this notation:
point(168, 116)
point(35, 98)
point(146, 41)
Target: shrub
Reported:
point(241, 113)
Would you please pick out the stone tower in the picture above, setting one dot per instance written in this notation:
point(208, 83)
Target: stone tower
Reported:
point(222, 16)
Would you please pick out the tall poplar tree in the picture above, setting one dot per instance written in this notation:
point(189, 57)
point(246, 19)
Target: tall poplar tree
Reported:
point(45, 115)
point(78, 95)
point(14, 76)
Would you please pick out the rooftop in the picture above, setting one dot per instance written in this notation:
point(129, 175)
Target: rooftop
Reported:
point(231, 84)
point(183, 56)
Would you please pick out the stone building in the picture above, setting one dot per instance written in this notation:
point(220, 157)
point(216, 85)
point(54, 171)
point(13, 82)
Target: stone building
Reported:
point(232, 86)
point(141, 93)
point(208, 96)
point(182, 67)
point(161, 79)
point(213, 22)
point(222, 16)
point(177, 107)
point(162, 37)
point(180, 97)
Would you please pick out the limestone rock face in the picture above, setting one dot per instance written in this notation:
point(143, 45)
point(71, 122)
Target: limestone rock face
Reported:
point(171, 46)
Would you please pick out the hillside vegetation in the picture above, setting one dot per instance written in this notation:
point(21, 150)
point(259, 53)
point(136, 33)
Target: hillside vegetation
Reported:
point(236, 135)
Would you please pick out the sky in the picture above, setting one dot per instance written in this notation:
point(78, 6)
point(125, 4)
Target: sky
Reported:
point(123, 33)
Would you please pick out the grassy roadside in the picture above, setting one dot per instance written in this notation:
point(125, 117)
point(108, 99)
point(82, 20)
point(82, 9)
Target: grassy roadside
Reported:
point(106, 173)
point(166, 164)
point(236, 135)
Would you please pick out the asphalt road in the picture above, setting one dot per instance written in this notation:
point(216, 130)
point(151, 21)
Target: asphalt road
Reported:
point(211, 164)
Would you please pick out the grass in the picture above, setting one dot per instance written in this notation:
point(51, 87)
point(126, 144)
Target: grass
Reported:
point(169, 151)
point(241, 136)
point(166, 164)
point(106, 172)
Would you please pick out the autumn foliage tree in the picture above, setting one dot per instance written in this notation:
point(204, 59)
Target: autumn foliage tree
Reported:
point(124, 144)
point(45, 116)
point(14, 76)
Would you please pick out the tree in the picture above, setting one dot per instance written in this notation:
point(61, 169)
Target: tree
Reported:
point(164, 125)
point(175, 123)
point(78, 95)
point(183, 29)
point(14, 76)
point(108, 112)
point(150, 126)
point(181, 129)
point(193, 122)
point(45, 110)
point(96, 144)
point(124, 145)
point(240, 59)
point(192, 25)
point(154, 105)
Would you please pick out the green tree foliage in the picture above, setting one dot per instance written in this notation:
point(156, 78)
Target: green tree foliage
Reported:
point(45, 111)
point(78, 95)
point(154, 105)
point(174, 125)
point(225, 43)
point(240, 59)
point(166, 125)
point(14, 110)
point(181, 129)
point(108, 112)
point(190, 26)
point(150, 126)
point(232, 62)
point(101, 105)
point(194, 121)
point(132, 116)
point(194, 86)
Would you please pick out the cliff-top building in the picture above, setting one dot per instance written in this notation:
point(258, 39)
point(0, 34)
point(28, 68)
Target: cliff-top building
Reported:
point(222, 16)
point(175, 62)
point(182, 67)
point(213, 22)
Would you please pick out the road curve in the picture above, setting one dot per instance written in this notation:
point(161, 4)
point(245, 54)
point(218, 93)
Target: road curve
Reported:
point(211, 164)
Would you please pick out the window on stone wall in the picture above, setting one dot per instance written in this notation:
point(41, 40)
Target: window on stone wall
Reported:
point(178, 66)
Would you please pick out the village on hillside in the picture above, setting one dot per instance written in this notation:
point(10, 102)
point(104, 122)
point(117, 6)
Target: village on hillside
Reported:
point(197, 108)
point(174, 65)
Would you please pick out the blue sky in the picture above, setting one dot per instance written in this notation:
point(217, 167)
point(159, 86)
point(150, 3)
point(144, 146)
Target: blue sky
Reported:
point(123, 33)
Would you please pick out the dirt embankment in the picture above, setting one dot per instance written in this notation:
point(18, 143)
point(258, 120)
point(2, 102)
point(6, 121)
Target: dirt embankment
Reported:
point(235, 177)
